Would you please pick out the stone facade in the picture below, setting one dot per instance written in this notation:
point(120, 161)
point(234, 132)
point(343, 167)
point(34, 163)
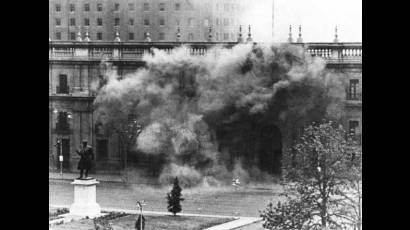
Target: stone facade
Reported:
point(74, 67)
point(134, 18)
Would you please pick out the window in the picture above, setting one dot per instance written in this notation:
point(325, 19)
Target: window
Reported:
point(217, 22)
point(58, 36)
point(226, 7)
point(72, 7)
point(131, 6)
point(226, 36)
point(226, 21)
point(217, 36)
point(161, 36)
point(146, 6)
point(87, 7)
point(161, 7)
point(352, 93)
point(99, 7)
point(99, 36)
point(131, 36)
point(86, 21)
point(190, 22)
point(206, 22)
point(58, 7)
point(58, 21)
point(161, 21)
point(131, 21)
point(63, 86)
point(190, 37)
point(116, 6)
point(72, 21)
point(99, 22)
point(146, 22)
point(353, 127)
point(62, 122)
point(177, 6)
point(116, 21)
point(72, 36)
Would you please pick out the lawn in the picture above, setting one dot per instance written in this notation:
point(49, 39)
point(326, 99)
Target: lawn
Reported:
point(151, 223)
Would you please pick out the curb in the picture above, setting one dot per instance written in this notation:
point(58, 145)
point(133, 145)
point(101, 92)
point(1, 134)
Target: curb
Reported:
point(239, 221)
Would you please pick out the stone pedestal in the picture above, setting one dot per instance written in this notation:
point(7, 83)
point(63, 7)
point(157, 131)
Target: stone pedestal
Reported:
point(85, 199)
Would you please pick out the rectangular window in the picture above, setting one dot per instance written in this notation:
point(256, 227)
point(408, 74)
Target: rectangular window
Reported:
point(226, 21)
point(146, 22)
point(99, 22)
point(226, 7)
point(131, 22)
point(99, 36)
point(217, 36)
point(72, 36)
point(190, 22)
point(131, 36)
point(58, 7)
point(58, 36)
point(99, 7)
point(353, 127)
point(62, 118)
point(116, 6)
point(161, 36)
point(226, 36)
point(131, 7)
point(177, 6)
point(86, 21)
point(190, 37)
point(116, 21)
point(146, 6)
point(63, 86)
point(87, 7)
point(161, 7)
point(161, 21)
point(217, 22)
point(206, 22)
point(72, 21)
point(58, 21)
point(352, 94)
point(72, 7)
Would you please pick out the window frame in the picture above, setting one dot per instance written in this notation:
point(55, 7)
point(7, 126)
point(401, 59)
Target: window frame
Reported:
point(87, 7)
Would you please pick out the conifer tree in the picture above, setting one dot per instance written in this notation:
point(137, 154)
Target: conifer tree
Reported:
point(174, 198)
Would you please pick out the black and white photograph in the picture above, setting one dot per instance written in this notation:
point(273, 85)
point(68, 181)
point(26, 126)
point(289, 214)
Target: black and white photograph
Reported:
point(205, 114)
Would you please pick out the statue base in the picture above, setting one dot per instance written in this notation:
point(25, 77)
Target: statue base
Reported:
point(85, 204)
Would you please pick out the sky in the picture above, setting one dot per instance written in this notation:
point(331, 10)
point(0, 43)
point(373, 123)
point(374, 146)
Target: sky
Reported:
point(318, 19)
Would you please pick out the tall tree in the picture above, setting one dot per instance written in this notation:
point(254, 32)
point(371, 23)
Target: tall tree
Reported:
point(319, 171)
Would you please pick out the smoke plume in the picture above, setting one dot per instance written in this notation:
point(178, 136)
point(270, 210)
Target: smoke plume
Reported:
point(202, 114)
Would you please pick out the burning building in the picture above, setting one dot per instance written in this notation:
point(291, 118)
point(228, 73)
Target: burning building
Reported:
point(206, 110)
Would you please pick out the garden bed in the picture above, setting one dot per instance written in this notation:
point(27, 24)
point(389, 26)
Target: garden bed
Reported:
point(53, 213)
point(153, 222)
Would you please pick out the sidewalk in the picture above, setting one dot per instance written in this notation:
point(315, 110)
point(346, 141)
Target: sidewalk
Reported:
point(237, 223)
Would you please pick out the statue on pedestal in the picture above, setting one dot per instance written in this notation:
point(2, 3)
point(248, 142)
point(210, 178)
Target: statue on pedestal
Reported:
point(87, 156)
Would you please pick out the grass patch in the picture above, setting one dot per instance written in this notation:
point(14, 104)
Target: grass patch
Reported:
point(168, 222)
point(54, 213)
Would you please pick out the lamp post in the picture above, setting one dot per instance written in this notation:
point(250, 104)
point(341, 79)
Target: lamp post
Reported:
point(139, 205)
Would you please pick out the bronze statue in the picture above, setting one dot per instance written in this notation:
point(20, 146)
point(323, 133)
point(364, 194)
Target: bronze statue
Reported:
point(87, 156)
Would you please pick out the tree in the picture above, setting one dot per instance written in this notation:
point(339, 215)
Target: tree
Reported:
point(174, 198)
point(319, 173)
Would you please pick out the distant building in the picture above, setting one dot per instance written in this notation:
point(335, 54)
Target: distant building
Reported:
point(135, 19)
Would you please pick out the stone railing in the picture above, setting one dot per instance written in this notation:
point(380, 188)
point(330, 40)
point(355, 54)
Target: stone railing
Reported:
point(124, 51)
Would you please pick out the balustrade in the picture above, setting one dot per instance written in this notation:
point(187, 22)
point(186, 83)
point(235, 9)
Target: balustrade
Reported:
point(331, 52)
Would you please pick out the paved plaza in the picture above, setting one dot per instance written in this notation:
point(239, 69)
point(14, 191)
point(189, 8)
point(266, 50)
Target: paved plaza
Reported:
point(244, 201)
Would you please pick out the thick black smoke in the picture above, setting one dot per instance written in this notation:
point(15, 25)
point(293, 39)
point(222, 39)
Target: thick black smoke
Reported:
point(202, 114)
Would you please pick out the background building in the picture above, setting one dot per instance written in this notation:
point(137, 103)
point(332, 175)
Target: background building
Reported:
point(135, 18)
